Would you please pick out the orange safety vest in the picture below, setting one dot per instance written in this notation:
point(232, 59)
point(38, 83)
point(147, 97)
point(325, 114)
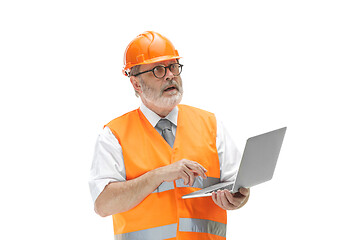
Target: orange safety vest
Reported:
point(164, 214)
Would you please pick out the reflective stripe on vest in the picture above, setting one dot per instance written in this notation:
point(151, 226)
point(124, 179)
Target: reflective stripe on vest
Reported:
point(163, 232)
point(169, 231)
point(199, 182)
point(165, 186)
point(203, 226)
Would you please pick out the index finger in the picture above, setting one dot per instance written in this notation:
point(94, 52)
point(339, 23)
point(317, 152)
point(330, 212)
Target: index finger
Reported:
point(198, 164)
point(197, 168)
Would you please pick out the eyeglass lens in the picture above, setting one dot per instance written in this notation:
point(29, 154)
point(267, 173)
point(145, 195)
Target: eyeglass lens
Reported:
point(160, 71)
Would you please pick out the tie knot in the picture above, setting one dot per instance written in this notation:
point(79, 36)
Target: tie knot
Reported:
point(164, 124)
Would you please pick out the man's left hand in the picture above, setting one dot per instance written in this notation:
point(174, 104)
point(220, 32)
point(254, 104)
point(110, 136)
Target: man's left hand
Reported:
point(229, 201)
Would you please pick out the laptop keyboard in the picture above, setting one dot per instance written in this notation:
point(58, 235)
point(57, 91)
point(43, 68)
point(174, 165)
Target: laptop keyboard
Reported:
point(228, 187)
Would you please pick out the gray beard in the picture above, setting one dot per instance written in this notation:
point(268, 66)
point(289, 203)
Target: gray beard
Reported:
point(158, 100)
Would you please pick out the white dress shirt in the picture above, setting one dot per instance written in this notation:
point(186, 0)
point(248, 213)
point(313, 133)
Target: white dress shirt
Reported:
point(108, 162)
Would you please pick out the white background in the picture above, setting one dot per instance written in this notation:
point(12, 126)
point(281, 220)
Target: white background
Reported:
point(259, 65)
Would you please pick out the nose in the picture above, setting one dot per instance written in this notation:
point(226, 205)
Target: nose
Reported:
point(169, 75)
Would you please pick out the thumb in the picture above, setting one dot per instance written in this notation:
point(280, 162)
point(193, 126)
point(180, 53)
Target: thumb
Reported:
point(244, 191)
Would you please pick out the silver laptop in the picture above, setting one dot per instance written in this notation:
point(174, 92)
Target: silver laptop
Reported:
point(257, 164)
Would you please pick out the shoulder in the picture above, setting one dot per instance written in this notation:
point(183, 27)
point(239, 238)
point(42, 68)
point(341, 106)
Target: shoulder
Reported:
point(123, 118)
point(194, 110)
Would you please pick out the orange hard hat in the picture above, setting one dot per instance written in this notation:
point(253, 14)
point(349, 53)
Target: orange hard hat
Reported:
point(148, 47)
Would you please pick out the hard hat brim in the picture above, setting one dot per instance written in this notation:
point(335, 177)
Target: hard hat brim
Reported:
point(153, 60)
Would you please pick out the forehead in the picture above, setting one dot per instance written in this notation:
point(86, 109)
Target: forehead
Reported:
point(152, 65)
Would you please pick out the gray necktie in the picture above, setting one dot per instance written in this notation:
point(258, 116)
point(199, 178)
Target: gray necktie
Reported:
point(165, 126)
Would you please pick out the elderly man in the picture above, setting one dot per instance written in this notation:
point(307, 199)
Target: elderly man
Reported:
point(147, 159)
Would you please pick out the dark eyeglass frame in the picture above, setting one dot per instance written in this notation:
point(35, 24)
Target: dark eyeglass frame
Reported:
point(166, 68)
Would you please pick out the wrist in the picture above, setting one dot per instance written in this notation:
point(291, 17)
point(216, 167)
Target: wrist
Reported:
point(155, 177)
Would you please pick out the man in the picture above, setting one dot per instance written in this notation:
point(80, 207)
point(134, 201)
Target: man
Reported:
point(147, 159)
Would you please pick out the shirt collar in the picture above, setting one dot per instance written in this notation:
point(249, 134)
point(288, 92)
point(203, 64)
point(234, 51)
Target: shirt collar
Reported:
point(153, 118)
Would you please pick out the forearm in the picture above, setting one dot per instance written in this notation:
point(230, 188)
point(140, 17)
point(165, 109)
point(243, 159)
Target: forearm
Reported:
point(122, 196)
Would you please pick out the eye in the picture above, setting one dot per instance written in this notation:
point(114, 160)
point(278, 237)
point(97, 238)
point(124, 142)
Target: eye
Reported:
point(159, 71)
point(174, 68)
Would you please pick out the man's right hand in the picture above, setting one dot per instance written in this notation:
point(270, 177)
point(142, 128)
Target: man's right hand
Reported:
point(122, 196)
point(184, 169)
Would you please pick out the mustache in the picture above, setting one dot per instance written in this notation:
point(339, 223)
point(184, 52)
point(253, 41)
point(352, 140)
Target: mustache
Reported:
point(169, 84)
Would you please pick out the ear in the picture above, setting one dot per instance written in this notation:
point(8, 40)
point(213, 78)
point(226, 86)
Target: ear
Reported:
point(136, 84)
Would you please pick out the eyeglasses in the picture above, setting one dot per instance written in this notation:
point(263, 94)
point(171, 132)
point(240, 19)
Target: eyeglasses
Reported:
point(160, 71)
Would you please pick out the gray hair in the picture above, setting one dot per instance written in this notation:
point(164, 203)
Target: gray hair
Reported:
point(134, 70)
